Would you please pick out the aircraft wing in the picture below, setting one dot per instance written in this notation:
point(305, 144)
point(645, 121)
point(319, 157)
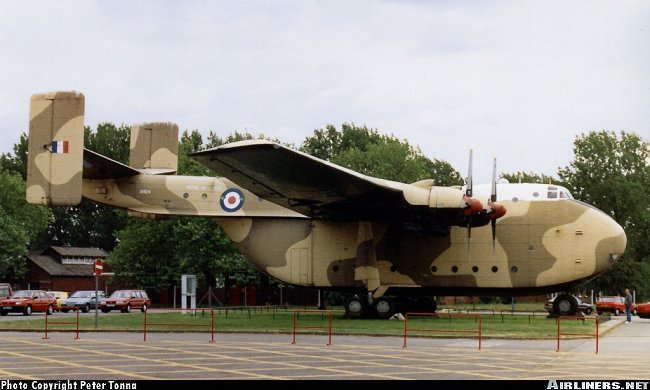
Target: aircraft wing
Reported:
point(304, 183)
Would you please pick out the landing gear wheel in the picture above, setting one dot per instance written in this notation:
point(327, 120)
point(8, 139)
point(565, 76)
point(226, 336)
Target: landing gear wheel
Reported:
point(355, 307)
point(384, 307)
point(565, 305)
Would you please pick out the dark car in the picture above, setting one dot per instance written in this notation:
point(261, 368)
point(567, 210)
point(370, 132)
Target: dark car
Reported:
point(583, 307)
point(83, 300)
point(28, 301)
point(125, 300)
point(613, 304)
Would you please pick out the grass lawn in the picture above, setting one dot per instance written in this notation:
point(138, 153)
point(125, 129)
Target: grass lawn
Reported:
point(494, 323)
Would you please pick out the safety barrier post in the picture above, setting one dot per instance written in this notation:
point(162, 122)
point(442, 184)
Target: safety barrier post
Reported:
point(559, 333)
point(47, 322)
point(329, 324)
point(424, 315)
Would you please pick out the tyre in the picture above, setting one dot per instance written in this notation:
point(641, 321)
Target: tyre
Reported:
point(565, 305)
point(355, 307)
point(617, 312)
point(50, 311)
point(3, 312)
point(127, 309)
point(635, 312)
point(65, 310)
point(27, 311)
point(143, 308)
point(384, 307)
point(588, 311)
point(105, 310)
point(86, 308)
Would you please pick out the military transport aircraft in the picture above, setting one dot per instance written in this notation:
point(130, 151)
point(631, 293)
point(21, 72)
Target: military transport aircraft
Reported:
point(308, 222)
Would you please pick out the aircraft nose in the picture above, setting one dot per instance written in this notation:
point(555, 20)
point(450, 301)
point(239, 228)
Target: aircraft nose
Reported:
point(612, 243)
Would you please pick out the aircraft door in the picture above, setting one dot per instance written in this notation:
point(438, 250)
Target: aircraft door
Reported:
point(300, 260)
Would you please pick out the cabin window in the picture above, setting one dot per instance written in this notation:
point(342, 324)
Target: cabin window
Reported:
point(474, 269)
point(434, 268)
point(204, 196)
point(393, 268)
point(535, 194)
point(335, 268)
point(495, 268)
point(514, 269)
point(454, 269)
point(186, 195)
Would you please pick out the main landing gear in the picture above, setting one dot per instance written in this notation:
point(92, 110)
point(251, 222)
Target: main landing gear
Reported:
point(360, 306)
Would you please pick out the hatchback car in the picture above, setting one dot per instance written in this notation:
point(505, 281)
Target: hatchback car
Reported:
point(125, 300)
point(643, 310)
point(614, 305)
point(83, 300)
point(583, 307)
point(28, 301)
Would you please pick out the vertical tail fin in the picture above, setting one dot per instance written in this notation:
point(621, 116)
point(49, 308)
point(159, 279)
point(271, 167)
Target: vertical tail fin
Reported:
point(55, 151)
point(154, 146)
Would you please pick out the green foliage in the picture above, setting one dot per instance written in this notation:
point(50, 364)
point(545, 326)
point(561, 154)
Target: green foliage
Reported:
point(20, 223)
point(18, 161)
point(611, 172)
point(530, 177)
point(366, 151)
point(156, 253)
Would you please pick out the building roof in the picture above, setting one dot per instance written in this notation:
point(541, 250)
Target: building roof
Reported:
point(54, 267)
point(71, 251)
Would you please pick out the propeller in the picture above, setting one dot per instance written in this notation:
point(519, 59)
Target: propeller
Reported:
point(472, 205)
point(497, 210)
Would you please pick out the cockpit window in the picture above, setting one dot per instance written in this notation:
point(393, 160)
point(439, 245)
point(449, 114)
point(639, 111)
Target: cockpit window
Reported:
point(552, 194)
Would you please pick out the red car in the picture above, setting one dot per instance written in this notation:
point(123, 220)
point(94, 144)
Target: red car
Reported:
point(643, 310)
point(125, 300)
point(28, 301)
point(615, 305)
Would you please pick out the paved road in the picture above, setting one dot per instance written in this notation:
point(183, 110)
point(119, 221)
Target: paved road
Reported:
point(623, 354)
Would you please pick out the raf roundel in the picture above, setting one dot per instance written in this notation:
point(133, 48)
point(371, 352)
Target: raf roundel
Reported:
point(231, 200)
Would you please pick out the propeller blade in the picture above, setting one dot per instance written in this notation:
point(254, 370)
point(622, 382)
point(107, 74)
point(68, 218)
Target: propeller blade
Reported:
point(469, 189)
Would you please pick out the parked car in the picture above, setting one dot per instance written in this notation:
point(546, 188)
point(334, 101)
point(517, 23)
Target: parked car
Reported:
point(125, 300)
point(83, 300)
point(5, 290)
point(60, 296)
point(614, 305)
point(28, 301)
point(583, 307)
point(643, 310)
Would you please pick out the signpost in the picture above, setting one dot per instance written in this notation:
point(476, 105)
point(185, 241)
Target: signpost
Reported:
point(99, 267)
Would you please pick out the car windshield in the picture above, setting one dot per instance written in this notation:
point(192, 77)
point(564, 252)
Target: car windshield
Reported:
point(22, 294)
point(121, 294)
point(83, 294)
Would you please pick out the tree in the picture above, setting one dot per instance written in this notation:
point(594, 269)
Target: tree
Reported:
point(20, 223)
point(530, 177)
point(366, 151)
point(611, 172)
point(18, 161)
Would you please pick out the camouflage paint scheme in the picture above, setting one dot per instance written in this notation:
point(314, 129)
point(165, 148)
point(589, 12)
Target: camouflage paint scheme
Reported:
point(308, 222)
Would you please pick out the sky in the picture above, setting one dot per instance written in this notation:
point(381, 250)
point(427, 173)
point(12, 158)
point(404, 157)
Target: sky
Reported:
point(515, 80)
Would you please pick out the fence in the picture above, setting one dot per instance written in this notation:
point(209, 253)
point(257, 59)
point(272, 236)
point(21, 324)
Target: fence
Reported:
point(47, 323)
point(449, 315)
point(559, 318)
point(296, 314)
point(191, 312)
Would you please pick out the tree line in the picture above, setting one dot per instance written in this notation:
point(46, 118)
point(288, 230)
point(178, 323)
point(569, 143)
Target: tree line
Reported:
point(610, 170)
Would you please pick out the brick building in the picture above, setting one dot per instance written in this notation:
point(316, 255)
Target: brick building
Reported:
point(63, 268)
